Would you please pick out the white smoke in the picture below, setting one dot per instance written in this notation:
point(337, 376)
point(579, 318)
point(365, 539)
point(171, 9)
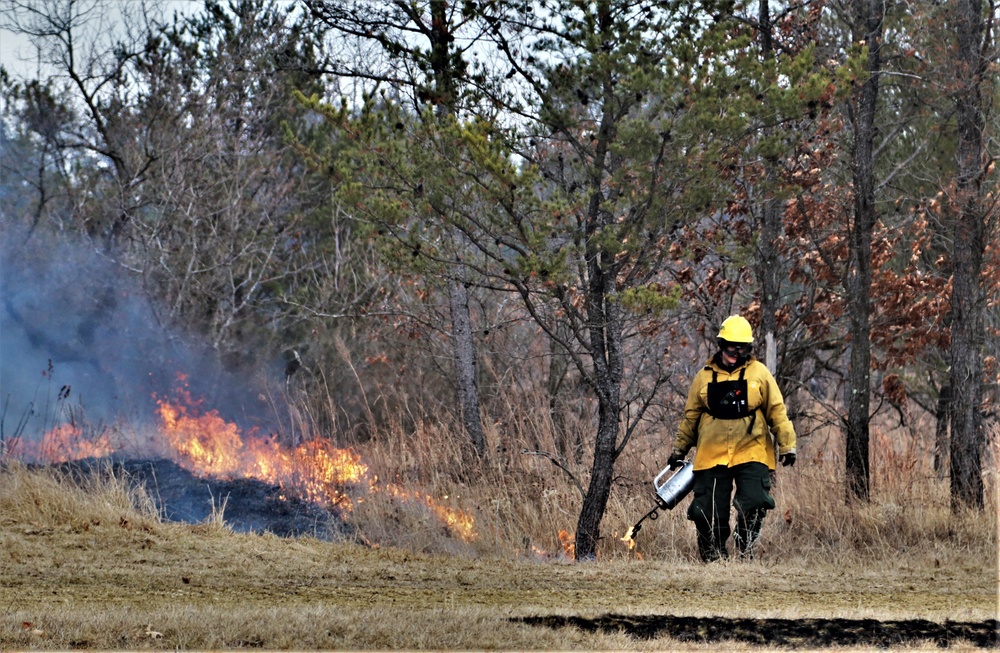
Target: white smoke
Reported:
point(78, 339)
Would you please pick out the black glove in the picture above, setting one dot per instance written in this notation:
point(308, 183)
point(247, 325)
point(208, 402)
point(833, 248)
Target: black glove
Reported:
point(676, 459)
point(787, 459)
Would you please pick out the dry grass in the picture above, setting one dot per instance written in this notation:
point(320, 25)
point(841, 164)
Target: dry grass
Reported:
point(94, 568)
point(521, 501)
point(88, 563)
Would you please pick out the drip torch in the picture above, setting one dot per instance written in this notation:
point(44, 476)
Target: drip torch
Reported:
point(668, 493)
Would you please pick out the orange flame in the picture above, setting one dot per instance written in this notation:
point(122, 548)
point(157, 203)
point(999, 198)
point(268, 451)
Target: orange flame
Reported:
point(458, 522)
point(568, 542)
point(567, 548)
point(629, 539)
point(205, 444)
point(315, 470)
point(208, 445)
point(65, 443)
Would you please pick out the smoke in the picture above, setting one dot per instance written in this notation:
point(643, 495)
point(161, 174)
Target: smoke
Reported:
point(79, 340)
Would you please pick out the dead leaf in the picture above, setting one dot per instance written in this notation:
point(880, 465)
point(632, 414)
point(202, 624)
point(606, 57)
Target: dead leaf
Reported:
point(30, 627)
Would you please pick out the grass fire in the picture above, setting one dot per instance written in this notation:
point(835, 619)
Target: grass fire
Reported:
point(200, 441)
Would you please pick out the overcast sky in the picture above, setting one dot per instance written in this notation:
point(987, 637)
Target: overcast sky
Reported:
point(18, 56)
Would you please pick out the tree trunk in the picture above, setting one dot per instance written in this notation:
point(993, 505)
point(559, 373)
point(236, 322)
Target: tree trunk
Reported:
point(967, 319)
point(596, 500)
point(604, 325)
point(465, 365)
point(868, 17)
point(458, 294)
point(770, 228)
point(606, 340)
point(942, 415)
point(605, 328)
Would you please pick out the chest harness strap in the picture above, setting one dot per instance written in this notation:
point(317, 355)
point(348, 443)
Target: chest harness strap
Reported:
point(730, 399)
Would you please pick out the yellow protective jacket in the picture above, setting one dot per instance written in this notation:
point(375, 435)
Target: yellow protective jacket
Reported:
point(735, 441)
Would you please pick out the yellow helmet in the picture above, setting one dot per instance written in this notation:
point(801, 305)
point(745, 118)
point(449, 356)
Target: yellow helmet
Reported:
point(736, 329)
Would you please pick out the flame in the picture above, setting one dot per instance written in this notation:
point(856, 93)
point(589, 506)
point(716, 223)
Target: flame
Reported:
point(204, 443)
point(458, 522)
point(568, 542)
point(208, 445)
point(65, 443)
point(314, 470)
point(566, 551)
point(629, 539)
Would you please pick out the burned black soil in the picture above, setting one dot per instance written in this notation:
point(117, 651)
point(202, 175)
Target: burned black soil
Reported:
point(247, 505)
point(792, 633)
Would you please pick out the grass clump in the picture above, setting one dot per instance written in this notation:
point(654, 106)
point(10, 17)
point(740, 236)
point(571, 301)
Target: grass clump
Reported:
point(47, 498)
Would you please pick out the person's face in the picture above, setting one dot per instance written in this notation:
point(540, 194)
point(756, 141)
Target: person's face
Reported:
point(732, 351)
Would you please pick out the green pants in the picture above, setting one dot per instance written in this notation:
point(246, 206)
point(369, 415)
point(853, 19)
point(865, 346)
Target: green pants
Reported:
point(709, 508)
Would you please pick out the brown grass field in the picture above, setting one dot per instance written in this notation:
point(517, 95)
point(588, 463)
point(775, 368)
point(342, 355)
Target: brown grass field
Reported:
point(91, 564)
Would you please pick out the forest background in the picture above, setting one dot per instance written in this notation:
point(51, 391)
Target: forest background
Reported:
point(488, 244)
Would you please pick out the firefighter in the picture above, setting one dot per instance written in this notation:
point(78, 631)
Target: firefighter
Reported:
point(733, 408)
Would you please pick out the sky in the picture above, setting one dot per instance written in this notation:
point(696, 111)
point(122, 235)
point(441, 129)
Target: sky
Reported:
point(17, 53)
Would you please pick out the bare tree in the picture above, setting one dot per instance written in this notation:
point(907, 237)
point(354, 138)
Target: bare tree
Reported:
point(189, 182)
point(867, 19)
point(91, 51)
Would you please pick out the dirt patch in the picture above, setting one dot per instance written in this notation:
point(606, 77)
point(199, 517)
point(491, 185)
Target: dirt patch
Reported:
point(814, 633)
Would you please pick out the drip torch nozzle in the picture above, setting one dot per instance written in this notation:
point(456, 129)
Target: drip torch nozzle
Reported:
point(632, 532)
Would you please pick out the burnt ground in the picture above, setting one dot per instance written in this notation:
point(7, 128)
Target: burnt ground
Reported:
point(250, 505)
point(792, 633)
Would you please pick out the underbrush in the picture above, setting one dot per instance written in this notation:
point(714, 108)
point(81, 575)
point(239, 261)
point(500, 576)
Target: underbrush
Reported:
point(92, 565)
point(525, 499)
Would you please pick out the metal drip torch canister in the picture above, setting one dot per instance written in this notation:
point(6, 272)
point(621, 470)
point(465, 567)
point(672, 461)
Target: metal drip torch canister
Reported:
point(675, 488)
point(669, 493)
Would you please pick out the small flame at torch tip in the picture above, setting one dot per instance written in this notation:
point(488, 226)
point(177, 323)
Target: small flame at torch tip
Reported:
point(629, 538)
